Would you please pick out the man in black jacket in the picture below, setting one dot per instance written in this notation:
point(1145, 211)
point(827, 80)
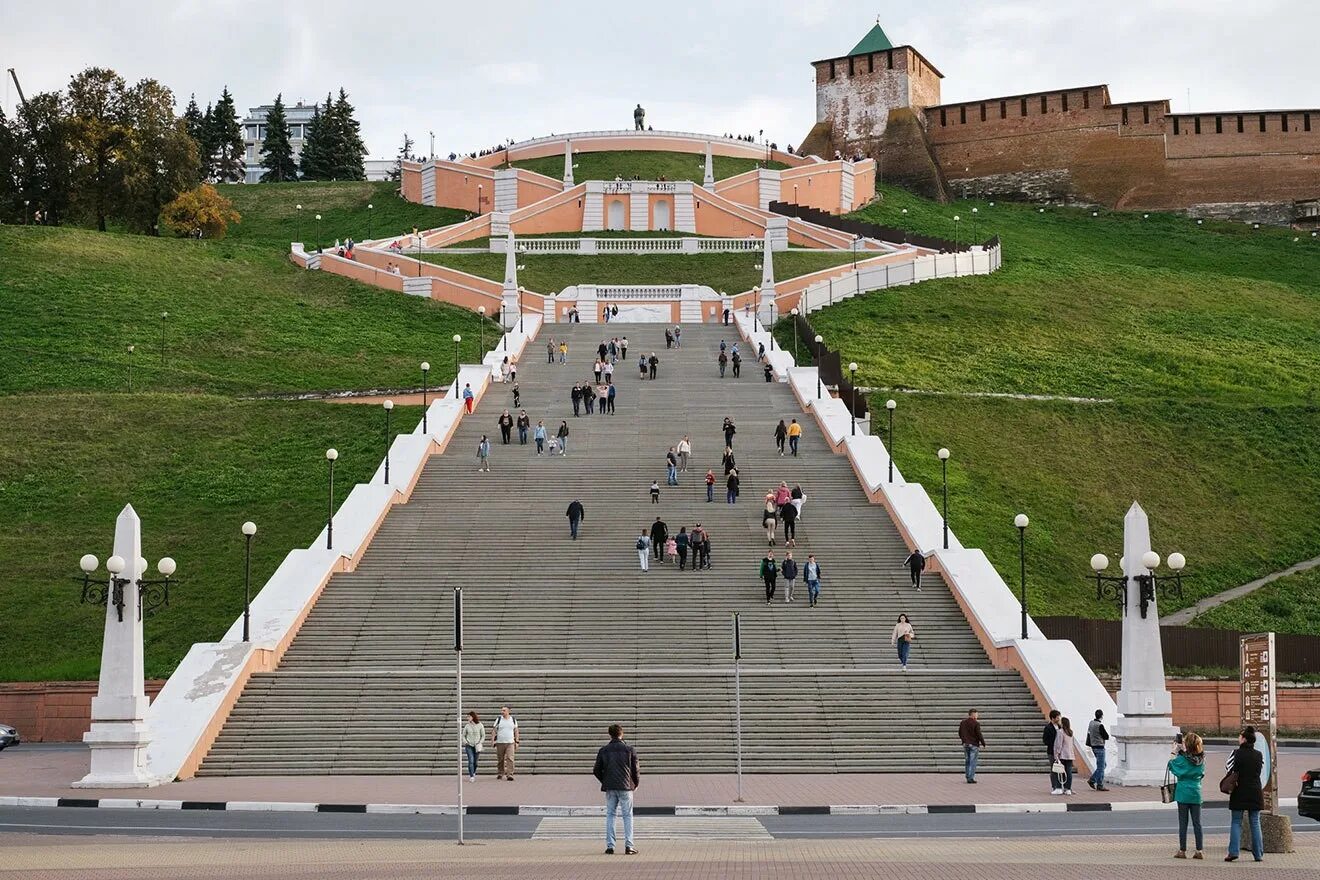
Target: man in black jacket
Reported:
point(1047, 737)
point(575, 514)
point(659, 532)
point(616, 768)
point(653, 362)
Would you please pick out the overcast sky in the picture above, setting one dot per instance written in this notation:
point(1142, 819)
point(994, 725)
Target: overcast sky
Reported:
point(477, 73)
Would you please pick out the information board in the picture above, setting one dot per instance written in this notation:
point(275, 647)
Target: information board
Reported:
point(1259, 708)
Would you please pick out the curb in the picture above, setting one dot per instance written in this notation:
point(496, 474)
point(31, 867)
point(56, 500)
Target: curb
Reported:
point(567, 811)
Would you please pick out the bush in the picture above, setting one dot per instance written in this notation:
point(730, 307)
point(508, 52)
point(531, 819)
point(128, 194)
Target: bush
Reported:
point(201, 208)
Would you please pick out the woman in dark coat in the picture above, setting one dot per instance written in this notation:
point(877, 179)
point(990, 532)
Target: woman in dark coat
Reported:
point(1246, 796)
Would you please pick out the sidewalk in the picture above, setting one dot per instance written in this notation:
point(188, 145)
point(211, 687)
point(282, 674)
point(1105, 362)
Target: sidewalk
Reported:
point(47, 773)
point(1013, 858)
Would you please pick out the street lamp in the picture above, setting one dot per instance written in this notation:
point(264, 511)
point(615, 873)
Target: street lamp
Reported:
point(111, 590)
point(890, 404)
point(318, 233)
point(369, 207)
point(457, 340)
point(297, 223)
point(249, 531)
point(975, 211)
point(956, 218)
point(26, 203)
point(857, 240)
point(481, 323)
point(480, 188)
point(389, 409)
point(819, 339)
point(852, 369)
point(418, 237)
point(163, 316)
point(1150, 584)
point(1021, 522)
point(944, 466)
point(426, 368)
point(331, 455)
point(521, 291)
point(131, 349)
point(794, 313)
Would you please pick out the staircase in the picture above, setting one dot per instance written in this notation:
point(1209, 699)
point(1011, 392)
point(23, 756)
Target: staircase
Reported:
point(573, 636)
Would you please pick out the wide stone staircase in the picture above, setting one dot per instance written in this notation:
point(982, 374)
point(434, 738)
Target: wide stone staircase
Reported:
point(573, 636)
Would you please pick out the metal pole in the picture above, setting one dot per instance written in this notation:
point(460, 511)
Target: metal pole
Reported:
point(424, 407)
point(330, 511)
point(891, 446)
point(458, 690)
point(944, 465)
point(854, 402)
point(737, 695)
point(455, 371)
point(387, 447)
point(1022, 557)
point(247, 586)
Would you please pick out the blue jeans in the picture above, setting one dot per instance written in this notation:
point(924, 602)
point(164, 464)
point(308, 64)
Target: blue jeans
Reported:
point(813, 591)
point(729, 496)
point(622, 802)
point(1098, 777)
point(1193, 812)
point(904, 648)
point(522, 436)
point(792, 444)
point(471, 753)
point(672, 476)
point(563, 446)
point(710, 492)
point(572, 527)
point(1235, 833)
point(970, 754)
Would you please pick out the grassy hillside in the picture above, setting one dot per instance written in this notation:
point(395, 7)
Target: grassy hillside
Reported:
point(1203, 340)
point(184, 448)
point(551, 273)
point(644, 164)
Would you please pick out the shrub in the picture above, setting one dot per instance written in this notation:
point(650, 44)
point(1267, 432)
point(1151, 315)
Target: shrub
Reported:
point(201, 208)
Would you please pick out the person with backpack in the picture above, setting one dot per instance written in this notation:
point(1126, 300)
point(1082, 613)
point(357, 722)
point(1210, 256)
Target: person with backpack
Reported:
point(769, 372)
point(1096, 737)
point(1187, 766)
point(505, 737)
point(681, 543)
point(1047, 738)
point(902, 638)
point(736, 359)
point(643, 545)
point(723, 361)
point(641, 365)
point(576, 514)
point(1242, 784)
point(483, 455)
point(769, 573)
point(811, 574)
point(916, 563)
point(788, 514)
point(562, 436)
point(610, 397)
point(705, 546)
point(781, 436)
point(1065, 753)
point(790, 572)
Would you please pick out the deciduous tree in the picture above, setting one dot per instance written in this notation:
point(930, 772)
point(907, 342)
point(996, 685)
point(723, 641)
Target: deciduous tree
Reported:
point(161, 155)
point(99, 128)
point(200, 209)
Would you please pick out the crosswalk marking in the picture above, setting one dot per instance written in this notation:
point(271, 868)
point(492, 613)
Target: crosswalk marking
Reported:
point(655, 828)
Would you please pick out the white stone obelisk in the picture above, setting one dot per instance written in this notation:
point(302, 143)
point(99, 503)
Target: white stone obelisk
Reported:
point(509, 294)
point(708, 179)
point(118, 737)
point(568, 164)
point(1144, 731)
point(765, 306)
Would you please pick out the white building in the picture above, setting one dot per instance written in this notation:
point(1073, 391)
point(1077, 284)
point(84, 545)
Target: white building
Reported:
point(299, 117)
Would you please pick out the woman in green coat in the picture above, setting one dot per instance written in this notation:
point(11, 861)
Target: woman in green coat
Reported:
point(1188, 766)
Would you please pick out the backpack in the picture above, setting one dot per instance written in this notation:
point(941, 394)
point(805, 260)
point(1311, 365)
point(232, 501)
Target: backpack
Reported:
point(641, 543)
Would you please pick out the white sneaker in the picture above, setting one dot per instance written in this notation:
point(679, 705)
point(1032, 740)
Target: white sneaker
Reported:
point(1067, 791)
point(1057, 791)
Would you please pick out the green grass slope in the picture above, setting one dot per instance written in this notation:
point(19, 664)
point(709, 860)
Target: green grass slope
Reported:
point(551, 273)
point(643, 164)
point(1204, 340)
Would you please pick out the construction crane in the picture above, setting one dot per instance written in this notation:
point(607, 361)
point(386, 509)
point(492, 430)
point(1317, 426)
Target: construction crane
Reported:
point(14, 77)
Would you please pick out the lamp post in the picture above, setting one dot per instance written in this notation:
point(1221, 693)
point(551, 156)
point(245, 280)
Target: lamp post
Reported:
point(975, 211)
point(1151, 584)
point(111, 590)
point(369, 209)
point(794, 313)
point(249, 532)
point(481, 323)
point(26, 203)
point(417, 236)
point(457, 340)
point(944, 467)
point(426, 368)
point(331, 456)
point(852, 370)
point(857, 240)
point(297, 223)
point(163, 316)
point(318, 233)
point(773, 320)
point(1021, 522)
point(819, 339)
point(890, 405)
point(521, 309)
point(389, 409)
point(956, 218)
point(480, 189)
point(131, 348)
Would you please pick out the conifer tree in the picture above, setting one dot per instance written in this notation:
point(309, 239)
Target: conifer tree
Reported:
point(194, 123)
point(206, 145)
point(230, 164)
point(348, 153)
point(313, 162)
point(277, 151)
point(405, 153)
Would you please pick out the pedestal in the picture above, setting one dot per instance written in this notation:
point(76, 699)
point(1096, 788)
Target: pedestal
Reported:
point(1143, 744)
point(118, 755)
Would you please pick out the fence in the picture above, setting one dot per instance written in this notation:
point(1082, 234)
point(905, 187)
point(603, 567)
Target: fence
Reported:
point(830, 366)
point(633, 245)
point(874, 230)
point(1101, 643)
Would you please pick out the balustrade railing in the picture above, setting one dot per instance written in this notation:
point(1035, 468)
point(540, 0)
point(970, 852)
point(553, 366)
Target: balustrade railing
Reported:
point(676, 245)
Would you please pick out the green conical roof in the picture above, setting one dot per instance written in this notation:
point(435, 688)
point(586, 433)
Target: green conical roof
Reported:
point(875, 41)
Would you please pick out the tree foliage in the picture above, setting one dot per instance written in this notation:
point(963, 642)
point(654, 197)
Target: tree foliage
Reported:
point(276, 148)
point(405, 154)
point(230, 158)
point(161, 157)
point(333, 149)
point(99, 125)
point(200, 209)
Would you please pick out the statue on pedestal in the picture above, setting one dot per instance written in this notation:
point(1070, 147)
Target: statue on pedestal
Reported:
point(639, 118)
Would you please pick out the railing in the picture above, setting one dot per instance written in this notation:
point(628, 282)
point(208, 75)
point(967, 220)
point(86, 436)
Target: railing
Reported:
point(925, 267)
point(669, 291)
point(873, 230)
point(639, 245)
point(633, 245)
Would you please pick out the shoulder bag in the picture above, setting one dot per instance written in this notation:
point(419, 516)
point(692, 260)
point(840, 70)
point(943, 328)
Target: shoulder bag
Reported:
point(1229, 782)
point(1168, 789)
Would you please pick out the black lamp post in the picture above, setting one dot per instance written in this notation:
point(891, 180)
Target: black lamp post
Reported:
point(297, 223)
point(26, 203)
point(331, 455)
point(481, 325)
point(504, 333)
point(318, 233)
point(130, 368)
point(426, 368)
point(1022, 522)
point(890, 405)
point(249, 532)
point(369, 209)
point(389, 409)
point(975, 211)
point(956, 218)
point(1150, 584)
point(773, 316)
point(819, 340)
point(794, 313)
point(163, 317)
point(852, 369)
point(857, 240)
point(521, 308)
point(418, 236)
point(152, 594)
point(944, 466)
point(457, 340)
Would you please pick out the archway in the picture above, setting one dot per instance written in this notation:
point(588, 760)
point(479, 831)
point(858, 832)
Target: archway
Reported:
point(616, 215)
point(660, 214)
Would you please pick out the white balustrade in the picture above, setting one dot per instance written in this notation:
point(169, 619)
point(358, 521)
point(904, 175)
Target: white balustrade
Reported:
point(636, 245)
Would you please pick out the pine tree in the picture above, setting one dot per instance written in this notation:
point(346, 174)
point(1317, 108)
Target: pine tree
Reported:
point(230, 163)
point(206, 145)
point(277, 151)
point(347, 157)
point(195, 124)
point(405, 153)
point(313, 162)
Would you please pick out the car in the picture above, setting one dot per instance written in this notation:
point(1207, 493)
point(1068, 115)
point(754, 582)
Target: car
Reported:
point(9, 737)
point(1308, 800)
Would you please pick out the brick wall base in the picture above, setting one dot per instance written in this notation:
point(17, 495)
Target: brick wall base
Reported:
point(1214, 705)
point(52, 711)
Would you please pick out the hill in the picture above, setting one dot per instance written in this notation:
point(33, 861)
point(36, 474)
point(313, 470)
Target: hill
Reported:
point(1196, 348)
point(643, 164)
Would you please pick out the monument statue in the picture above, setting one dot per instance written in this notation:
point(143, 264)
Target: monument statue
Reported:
point(639, 118)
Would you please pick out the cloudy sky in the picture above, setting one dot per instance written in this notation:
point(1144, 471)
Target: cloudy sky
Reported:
point(476, 73)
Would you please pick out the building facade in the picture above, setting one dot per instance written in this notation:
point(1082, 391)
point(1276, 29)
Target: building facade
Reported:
point(299, 116)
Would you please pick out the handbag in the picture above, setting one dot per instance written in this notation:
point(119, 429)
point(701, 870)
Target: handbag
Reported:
point(1229, 782)
point(1057, 767)
point(1167, 789)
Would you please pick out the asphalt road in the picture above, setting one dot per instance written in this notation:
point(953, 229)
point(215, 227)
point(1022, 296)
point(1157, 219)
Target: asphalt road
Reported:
point(228, 824)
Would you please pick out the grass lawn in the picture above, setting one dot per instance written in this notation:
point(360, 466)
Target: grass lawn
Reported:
point(551, 273)
point(1206, 339)
point(271, 217)
point(1290, 604)
point(643, 164)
